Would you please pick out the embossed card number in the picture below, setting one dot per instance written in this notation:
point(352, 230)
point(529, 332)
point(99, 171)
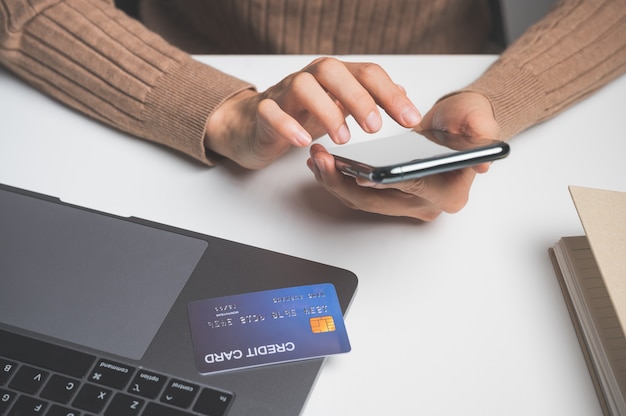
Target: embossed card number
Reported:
point(261, 328)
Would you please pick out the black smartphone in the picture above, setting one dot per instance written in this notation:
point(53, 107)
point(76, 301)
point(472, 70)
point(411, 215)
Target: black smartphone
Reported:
point(413, 155)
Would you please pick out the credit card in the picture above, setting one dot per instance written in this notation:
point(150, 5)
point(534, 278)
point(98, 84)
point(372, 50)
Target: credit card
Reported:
point(268, 327)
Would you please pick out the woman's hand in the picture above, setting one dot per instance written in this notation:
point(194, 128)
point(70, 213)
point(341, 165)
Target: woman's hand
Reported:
point(466, 113)
point(425, 198)
point(253, 129)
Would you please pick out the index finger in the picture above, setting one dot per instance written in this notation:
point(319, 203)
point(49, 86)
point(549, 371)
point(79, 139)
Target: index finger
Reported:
point(360, 88)
point(388, 95)
point(340, 83)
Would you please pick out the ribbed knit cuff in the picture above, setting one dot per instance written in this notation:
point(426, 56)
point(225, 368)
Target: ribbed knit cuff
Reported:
point(517, 97)
point(180, 103)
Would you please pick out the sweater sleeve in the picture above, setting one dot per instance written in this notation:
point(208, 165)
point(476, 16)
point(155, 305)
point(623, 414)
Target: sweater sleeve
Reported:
point(577, 48)
point(96, 59)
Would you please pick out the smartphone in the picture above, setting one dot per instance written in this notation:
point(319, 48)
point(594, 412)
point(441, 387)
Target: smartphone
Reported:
point(413, 155)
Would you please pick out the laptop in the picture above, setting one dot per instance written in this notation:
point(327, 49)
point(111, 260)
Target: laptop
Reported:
point(94, 315)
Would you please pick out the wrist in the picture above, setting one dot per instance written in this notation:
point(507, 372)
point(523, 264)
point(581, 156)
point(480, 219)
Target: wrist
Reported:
point(226, 123)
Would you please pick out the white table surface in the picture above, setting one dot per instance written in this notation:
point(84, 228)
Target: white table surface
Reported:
point(462, 316)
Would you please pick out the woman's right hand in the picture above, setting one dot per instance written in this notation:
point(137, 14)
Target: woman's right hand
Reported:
point(254, 129)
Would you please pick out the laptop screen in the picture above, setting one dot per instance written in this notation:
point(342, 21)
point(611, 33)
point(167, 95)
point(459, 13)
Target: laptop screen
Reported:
point(89, 279)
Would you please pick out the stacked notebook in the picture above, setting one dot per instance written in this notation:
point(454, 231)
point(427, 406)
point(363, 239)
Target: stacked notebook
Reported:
point(592, 273)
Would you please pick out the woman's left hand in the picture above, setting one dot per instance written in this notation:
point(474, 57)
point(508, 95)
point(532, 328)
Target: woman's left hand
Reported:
point(425, 198)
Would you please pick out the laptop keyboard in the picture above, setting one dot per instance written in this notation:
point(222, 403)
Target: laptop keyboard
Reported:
point(39, 378)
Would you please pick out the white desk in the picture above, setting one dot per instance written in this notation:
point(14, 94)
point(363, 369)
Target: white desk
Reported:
point(456, 317)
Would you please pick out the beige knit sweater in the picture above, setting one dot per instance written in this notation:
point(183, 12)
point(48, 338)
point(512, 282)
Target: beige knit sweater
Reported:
point(94, 58)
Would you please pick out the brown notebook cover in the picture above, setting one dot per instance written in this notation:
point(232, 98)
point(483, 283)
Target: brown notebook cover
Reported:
point(592, 273)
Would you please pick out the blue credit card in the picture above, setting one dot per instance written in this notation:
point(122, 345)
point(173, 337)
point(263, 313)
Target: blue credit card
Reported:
point(272, 326)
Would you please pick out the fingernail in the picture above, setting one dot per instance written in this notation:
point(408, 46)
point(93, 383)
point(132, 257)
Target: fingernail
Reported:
point(411, 116)
point(373, 122)
point(343, 135)
point(303, 138)
point(365, 183)
point(320, 163)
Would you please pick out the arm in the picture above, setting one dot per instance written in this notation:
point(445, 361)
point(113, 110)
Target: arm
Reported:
point(577, 48)
point(94, 58)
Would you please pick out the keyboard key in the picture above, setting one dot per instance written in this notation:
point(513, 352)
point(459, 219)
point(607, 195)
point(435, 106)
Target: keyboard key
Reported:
point(6, 400)
point(28, 379)
point(57, 410)
point(28, 406)
point(213, 403)
point(7, 368)
point(179, 393)
point(111, 374)
point(147, 384)
point(124, 405)
point(60, 389)
point(154, 409)
point(45, 355)
point(92, 398)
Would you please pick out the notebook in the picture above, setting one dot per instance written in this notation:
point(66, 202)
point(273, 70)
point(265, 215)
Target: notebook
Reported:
point(94, 315)
point(592, 273)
